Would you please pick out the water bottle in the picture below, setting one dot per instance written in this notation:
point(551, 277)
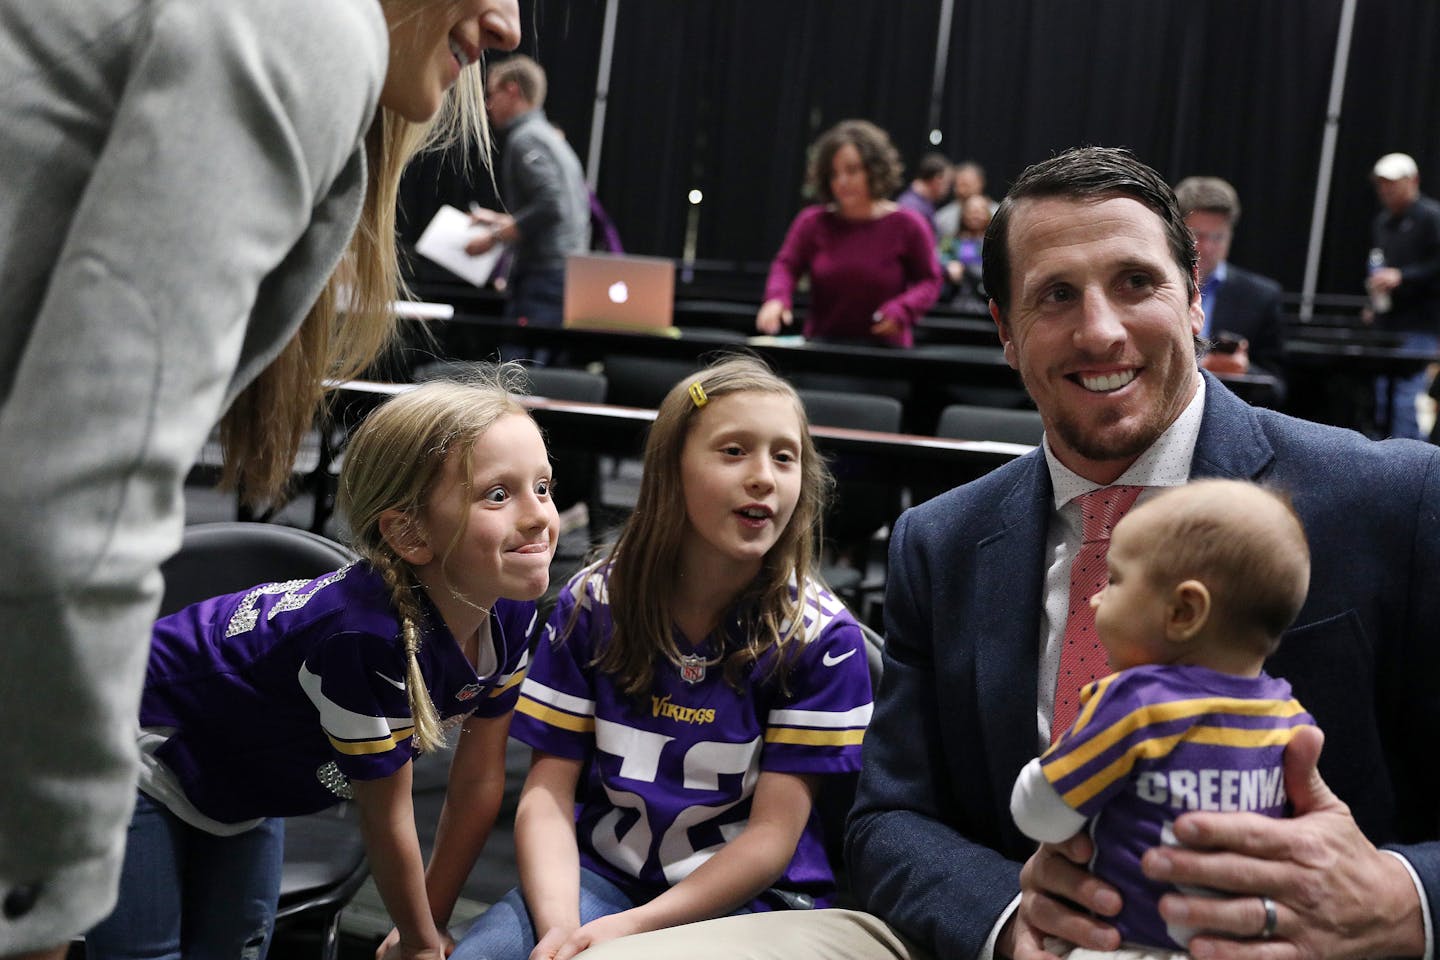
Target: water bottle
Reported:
point(1379, 302)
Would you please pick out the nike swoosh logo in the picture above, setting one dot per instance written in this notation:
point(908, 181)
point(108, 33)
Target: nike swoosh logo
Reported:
point(399, 685)
point(830, 661)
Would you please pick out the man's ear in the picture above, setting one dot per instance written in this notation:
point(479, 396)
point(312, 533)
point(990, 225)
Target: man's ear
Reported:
point(405, 537)
point(1004, 331)
point(1197, 306)
point(1187, 612)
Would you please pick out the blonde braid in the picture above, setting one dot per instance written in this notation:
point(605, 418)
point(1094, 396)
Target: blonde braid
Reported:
point(428, 733)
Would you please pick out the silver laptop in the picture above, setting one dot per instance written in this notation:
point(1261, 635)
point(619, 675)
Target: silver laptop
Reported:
point(607, 291)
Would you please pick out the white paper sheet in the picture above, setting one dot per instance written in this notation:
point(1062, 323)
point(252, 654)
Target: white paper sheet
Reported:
point(444, 242)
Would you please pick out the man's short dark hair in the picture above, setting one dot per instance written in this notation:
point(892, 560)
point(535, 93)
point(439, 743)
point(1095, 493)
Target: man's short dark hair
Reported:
point(877, 153)
point(932, 165)
point(1209, 195)
point(1086, 173)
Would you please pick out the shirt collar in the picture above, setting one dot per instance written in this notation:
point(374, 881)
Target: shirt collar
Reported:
point(1216, 278)
point(1166, 463)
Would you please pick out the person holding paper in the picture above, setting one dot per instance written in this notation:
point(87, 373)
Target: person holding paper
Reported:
point(543, 189)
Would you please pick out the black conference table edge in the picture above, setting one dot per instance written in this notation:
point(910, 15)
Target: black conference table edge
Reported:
point(927, 367)
point(924, 463)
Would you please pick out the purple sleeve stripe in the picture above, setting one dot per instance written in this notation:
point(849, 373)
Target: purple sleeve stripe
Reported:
point(815, 738)
point(550, 716)
point(360, 748)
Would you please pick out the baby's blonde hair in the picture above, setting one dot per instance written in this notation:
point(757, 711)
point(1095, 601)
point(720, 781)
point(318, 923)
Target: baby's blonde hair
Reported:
point(1243, 541)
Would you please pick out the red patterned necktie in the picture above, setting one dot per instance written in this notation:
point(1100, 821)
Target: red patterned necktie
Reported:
point(1082, 658)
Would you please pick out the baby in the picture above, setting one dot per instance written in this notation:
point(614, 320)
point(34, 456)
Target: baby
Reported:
point(1203, 580)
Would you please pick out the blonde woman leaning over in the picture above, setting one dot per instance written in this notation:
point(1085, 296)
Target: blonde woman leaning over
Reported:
point(180, 179)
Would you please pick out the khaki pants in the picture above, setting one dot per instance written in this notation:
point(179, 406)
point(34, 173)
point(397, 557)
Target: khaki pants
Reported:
point(781, 935)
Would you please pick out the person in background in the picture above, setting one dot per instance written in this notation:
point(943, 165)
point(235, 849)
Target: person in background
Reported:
point(930, 186)
point(142, 301)
point(1242, 308)
point(1404, 279)
point(961, 256)
point(872, 266)
point(968, 180)
point(543, 189)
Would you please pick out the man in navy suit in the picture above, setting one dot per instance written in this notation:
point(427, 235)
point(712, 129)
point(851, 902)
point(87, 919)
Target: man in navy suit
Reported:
point(1242, 308)
point(1096, 297)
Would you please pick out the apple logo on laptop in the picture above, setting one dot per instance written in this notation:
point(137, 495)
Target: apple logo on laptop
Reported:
point(619, 292)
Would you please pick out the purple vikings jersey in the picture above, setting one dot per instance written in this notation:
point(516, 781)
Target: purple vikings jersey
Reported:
point(669, 777)
point(279, 696)
point(1151, 743)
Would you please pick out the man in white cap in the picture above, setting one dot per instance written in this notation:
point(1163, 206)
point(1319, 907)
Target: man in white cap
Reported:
point(1407, 234)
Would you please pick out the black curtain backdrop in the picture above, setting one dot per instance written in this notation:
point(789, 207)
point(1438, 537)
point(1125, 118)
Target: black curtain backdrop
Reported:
point(725, 95)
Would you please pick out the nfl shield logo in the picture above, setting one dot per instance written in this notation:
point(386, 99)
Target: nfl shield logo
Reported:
point(468, 692)
point(692, 668)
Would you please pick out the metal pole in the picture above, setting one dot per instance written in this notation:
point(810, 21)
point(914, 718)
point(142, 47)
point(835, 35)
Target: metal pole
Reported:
point(602, 95)
point(942, 55)
point(1327, 159)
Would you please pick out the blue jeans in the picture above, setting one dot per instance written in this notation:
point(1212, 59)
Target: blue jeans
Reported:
point(187, 893)
point(1406, 390)
point(506, 932)
point(537, 297)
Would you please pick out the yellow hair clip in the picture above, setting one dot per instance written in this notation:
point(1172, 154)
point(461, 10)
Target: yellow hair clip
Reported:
point(697, 394)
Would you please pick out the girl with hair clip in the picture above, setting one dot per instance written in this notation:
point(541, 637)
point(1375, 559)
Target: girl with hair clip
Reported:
point(285, 698)
point(689, 693)
point(184, 180)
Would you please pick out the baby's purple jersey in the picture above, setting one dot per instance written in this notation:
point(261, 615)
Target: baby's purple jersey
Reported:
point(280, 695)
point(668, 781)
point(1155, 741)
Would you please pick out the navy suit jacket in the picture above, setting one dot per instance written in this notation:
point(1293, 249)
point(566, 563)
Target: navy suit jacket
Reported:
point(1248, 305)
point(931, 846)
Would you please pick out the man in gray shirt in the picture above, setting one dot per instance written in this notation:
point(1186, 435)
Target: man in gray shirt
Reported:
point(542, 186)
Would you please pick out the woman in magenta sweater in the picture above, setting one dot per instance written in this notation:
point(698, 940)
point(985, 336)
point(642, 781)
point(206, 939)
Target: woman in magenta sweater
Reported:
point(872, 266)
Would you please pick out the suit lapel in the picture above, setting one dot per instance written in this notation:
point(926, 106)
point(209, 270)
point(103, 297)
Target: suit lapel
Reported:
point(1009, 594)
point(1231, 443)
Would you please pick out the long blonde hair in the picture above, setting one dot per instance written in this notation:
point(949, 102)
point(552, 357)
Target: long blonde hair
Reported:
point(393, 461)
point(644, 559)
point(352, 323)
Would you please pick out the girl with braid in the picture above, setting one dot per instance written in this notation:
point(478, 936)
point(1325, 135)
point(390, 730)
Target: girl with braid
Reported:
point(286, 698)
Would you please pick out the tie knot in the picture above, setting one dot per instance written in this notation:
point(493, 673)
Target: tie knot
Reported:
point(1101, 509)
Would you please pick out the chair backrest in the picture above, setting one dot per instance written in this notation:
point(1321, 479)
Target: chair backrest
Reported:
point(963, 421)
point(324, 853)
point(858, 411)
point(557, 383)
point(637, 381)
point(227, 557)
point(560, 383)
point(443, 370)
